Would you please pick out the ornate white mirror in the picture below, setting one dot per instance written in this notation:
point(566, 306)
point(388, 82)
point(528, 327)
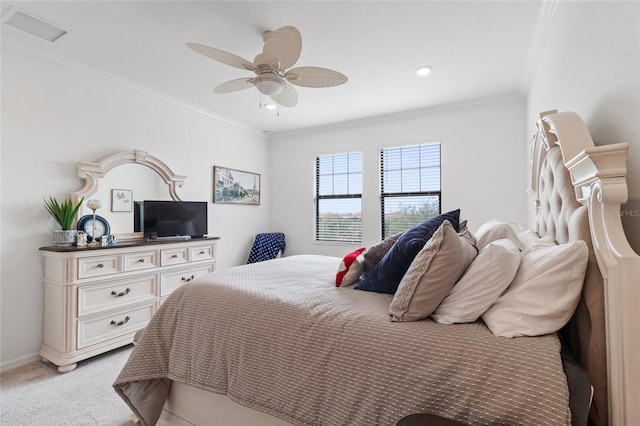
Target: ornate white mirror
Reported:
point(119, 181)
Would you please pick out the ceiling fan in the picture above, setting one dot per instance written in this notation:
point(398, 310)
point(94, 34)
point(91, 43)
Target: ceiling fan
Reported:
point(273, 77)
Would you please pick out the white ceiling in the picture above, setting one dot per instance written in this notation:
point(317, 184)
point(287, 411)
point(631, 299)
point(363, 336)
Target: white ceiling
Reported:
point(476, 48)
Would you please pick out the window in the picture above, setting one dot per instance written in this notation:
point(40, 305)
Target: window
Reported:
point(339, 197)
point(410, 186)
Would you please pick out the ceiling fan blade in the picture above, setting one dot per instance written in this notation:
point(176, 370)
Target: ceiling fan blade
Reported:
point(315, 77)
point(287, 98)
point(234, 85)
point(283, 46)
point(222, 56)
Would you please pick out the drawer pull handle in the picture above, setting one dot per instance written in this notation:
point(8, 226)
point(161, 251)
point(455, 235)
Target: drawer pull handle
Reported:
point(122, 293)
point(119, 323)
point(100, 265)
point(186, 280)
point(201, 251)
point(140, 260)
point(175, 256)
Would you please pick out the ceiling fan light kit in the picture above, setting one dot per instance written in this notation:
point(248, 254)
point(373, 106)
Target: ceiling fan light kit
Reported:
point(269, 84)
point(273, 78)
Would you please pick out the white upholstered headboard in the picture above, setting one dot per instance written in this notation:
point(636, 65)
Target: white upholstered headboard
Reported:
point(577, 190)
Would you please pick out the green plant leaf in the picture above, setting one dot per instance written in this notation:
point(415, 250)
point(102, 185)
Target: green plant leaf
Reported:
point(64, 213)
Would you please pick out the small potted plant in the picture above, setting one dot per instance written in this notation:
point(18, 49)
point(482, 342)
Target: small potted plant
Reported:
point(64, 213)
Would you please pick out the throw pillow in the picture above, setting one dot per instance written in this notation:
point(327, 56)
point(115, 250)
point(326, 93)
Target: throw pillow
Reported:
point(431, 275)
point(483, 282)
point(374, 253)
point(386, 275)
point(495, 230)
point(350, 268)
point(544, 293)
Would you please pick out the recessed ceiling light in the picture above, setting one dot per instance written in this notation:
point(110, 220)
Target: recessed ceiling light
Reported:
point(34, 25)
point(270, 106)
point(424, 70)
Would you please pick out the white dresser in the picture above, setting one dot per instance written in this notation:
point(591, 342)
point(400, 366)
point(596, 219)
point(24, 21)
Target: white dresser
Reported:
point(96, 298)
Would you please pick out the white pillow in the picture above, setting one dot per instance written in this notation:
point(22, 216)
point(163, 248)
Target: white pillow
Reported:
point(495, 230)
point(544, 293)
point(532, 241)
point(432, 274)
point(483, 282)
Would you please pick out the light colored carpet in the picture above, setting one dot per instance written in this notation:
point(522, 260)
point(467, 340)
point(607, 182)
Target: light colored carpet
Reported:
point(36, 394)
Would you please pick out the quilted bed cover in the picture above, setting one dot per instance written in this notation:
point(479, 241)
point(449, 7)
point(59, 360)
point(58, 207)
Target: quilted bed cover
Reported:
point(279, 337)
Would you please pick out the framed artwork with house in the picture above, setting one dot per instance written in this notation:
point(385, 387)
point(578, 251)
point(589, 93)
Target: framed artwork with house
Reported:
point(233, 186)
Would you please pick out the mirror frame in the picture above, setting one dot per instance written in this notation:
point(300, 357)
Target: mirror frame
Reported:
point(92, 172)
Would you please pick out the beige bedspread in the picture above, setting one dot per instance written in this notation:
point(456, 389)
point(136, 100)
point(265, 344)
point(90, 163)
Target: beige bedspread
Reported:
point(278, 336)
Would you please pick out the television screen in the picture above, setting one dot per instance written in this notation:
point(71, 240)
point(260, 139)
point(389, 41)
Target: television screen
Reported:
point(174, 219)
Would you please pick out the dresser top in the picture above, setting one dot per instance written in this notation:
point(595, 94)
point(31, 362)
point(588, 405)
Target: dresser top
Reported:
point(129, 243)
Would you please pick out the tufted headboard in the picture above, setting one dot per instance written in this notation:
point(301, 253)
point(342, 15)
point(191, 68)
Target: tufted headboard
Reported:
point(568, 176)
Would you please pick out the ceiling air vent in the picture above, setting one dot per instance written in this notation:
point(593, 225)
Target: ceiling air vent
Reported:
point(34, 25)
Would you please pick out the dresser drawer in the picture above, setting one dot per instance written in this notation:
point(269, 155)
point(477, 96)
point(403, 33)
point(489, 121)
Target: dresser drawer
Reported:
point(203, 252)
point(99, 266)
point(172, 280)
point(97, 298)
point(141, 260)
point(173, 256)
point(104, 327)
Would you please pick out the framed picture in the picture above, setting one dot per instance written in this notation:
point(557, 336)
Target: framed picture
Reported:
point(235, 186)
point(121, 200)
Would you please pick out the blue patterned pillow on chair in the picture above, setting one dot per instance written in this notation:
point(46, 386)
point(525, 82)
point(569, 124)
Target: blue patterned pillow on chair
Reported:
point(267, 246)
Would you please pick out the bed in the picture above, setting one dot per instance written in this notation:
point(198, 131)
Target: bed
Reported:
point(277, 343)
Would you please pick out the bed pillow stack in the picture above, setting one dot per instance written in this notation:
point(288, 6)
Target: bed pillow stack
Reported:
point(519, 284)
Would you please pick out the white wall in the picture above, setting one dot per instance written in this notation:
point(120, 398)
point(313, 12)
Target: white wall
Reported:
point(55, 115)
point(483, 166)
point(590, 65)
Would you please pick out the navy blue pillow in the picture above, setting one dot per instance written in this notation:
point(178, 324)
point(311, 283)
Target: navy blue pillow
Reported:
point(388, 273)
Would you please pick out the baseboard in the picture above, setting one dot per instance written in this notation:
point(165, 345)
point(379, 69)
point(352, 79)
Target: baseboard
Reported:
point(19, 362)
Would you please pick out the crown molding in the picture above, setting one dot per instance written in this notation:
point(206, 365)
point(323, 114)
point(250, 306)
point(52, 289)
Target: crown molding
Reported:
point(541, 31)
point(398, 116)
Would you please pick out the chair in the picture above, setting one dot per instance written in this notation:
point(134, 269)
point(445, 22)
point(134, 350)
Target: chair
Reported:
point(267, 246)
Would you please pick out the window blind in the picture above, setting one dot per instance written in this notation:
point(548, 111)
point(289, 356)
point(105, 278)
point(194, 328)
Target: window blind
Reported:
point(339, 197)
point(410, 186)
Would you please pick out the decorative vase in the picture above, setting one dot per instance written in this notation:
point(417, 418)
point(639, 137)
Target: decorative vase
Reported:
point(64, 237)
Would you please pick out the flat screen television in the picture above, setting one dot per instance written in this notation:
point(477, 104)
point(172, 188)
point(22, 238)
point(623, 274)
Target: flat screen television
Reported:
point(167, 219)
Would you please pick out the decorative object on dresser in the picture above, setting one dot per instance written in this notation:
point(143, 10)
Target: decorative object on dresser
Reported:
point(64, 213)
point(94, 225)
point(96, 298)
point(94, 205)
